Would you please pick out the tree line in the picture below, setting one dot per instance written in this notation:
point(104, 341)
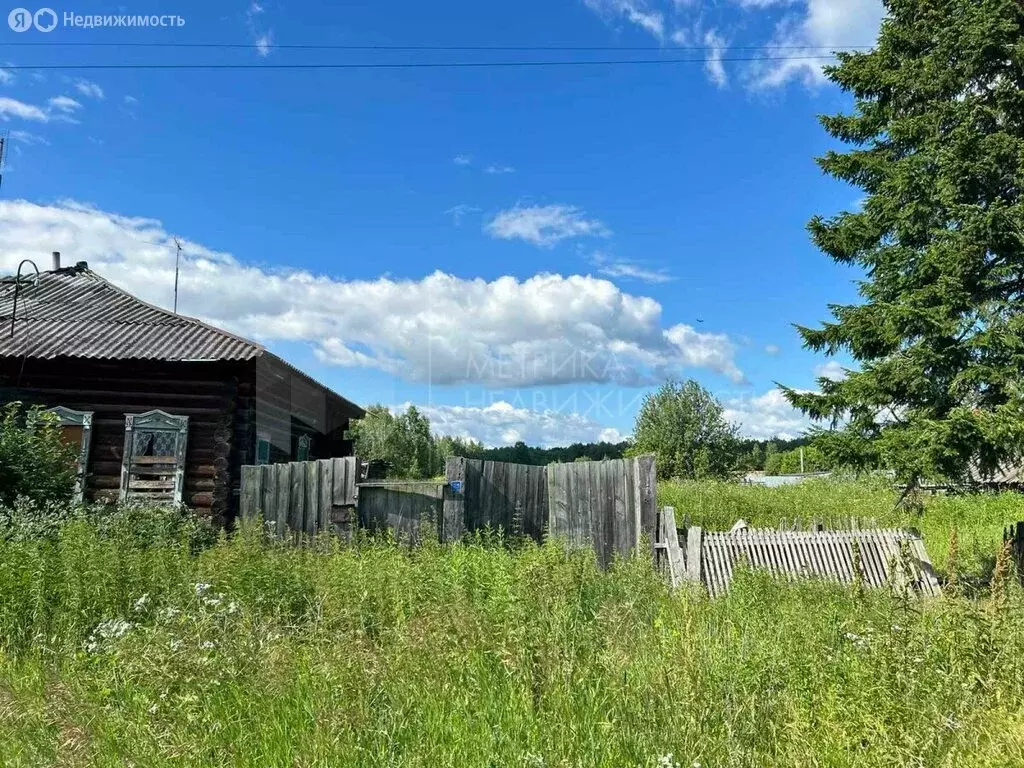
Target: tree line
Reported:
point(681, 423)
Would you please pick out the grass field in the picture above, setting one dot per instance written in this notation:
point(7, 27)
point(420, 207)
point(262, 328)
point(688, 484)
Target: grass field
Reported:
point(126, 644)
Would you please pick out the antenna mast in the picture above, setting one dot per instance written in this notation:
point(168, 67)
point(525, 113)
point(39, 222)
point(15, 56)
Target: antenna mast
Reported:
point(177, 262)
point(5, 139)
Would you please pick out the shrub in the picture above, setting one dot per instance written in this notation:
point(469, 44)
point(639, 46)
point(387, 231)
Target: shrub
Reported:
point(34, 461)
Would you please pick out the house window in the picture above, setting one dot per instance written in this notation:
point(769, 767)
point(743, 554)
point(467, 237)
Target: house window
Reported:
point(302, 449)
point(262, 449)
point(153, 468)
point(76, 431)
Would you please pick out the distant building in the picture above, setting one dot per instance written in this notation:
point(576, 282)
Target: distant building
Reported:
point(163, 408)
point(774, 481)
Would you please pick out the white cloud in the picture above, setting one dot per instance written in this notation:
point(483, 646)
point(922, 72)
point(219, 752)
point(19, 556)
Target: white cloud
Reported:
point(502, 423)
point(773, 349)
point(130, 100)
point(830, 370)
point(765, 416)
point(544, 226)
point(28, 138)
point(6, 76)
point(547, 329)
point(64, 104)
point(460, 212)
point(262, 38)
point(463, 159)
point(89, 88)
point(814, 28)
point(638, 12)
point(715, 45)
point(499, 169)
point(628, 270)
point(264, 44)
point(13, 108)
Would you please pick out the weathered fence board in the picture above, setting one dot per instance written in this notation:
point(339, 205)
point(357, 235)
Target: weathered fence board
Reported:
point(300, 497)
point(403, 508)
point(1014, 534)
point(607, 505)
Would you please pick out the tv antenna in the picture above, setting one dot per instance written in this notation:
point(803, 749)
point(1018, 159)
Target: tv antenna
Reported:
point(177, 263)
point(5, 140)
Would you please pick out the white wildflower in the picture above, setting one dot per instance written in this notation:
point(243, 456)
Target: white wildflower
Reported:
point(207, 644)
point(667, 761)
point(141, 604)
point(201, 589)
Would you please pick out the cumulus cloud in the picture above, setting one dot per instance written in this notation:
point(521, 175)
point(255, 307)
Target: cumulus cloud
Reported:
point(502, 423)
point(547, 329)
point(772, 349)
point(830, 370)
point(765, 416)
point(814, 28)
point(6, 76)
point(89, 88)
point(544, 225)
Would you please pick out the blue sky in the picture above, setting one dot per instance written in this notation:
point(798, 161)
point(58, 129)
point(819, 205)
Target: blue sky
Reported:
point(523, 251)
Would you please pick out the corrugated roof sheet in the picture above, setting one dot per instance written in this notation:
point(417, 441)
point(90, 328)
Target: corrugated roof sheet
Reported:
point(74, 312)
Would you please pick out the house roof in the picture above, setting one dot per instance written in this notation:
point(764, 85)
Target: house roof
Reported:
point(75, 313)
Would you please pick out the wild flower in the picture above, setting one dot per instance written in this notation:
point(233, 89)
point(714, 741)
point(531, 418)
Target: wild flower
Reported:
point(667, 761)
point(141, 604)
point(105, 631)
point(201, 589)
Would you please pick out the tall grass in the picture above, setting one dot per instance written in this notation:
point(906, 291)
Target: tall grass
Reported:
point(120, 652)
point(978, 519)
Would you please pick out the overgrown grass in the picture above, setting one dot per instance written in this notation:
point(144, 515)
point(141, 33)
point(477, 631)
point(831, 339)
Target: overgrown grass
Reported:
point(115, 651)
point(978, 519)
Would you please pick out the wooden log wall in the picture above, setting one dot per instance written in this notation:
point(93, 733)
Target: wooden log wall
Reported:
point(306, 497)
point(205, 392)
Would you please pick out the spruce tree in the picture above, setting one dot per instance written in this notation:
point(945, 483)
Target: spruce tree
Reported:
point(936, 143)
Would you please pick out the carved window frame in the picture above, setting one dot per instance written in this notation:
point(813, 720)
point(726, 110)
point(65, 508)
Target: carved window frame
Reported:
point(71, 418)
point(157, 422)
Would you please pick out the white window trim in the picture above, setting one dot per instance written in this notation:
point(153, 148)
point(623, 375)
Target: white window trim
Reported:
point(72, 418)
point(155, 421)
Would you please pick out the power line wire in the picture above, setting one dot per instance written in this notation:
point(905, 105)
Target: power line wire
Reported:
point(415, 64)
point(438, 48)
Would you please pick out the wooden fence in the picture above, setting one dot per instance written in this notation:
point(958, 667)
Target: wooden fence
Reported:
point(607, 505)
point(302, 497)
point(403, 508)
point(881, 556)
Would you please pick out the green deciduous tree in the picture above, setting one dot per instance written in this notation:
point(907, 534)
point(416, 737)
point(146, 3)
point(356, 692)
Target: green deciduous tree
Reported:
point(683, 425)
point(937, 145)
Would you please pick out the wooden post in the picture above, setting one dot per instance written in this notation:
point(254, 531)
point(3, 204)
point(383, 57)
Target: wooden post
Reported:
point(693, 553)
point(251, 492)
point(670, 536)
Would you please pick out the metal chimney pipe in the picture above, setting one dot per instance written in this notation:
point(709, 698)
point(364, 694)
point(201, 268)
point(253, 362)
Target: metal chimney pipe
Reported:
point(56, 260)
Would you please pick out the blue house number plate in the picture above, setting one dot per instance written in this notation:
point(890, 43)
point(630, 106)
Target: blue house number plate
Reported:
point(456, 486)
